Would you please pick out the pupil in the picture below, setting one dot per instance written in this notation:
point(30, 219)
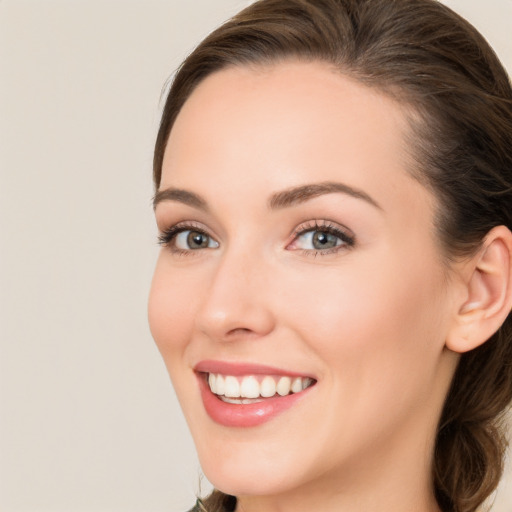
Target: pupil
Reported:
point(322, 240)
point(196, 239)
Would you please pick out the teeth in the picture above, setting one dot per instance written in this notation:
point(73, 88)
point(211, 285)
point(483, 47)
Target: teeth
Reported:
point(220, 385)
point(231, 387)
point(268, 387)
point(306, 382)
point(240, 400)
point(212, 382)
point(250, 388)
point(296, 385)
point(247, 389)
point(283, 386)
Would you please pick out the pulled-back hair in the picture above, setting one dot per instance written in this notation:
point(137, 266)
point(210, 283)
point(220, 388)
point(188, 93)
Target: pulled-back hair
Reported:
point(459, 100)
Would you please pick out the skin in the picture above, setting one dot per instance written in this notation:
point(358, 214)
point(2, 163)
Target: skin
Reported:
point(369, 321)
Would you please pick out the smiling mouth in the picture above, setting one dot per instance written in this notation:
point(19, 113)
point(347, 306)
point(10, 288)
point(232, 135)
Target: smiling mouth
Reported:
point(251, 389)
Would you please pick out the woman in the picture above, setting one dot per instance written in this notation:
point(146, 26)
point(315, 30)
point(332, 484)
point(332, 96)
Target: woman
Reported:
point(332, 298)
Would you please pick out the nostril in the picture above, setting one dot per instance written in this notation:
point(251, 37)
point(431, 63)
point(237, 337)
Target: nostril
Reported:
point(241, 333)
point(238, 331)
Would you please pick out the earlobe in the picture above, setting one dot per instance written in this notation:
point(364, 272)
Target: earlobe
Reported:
point(488, 298)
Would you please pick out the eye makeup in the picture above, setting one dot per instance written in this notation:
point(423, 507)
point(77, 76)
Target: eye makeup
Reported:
point(324, 237)
point(172, 238)
point(315, 237)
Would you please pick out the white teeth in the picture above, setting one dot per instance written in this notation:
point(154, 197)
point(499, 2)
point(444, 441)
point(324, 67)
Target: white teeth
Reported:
point(241, 400)
point(212, 380)
point(220, 385)
point(296, 385)
point(248, 389)
point(283, 386)
point(231, 387)
point(268, 387)
point(306, 382)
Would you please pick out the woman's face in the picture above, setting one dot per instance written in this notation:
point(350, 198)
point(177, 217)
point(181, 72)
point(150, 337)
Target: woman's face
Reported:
point(299, 250)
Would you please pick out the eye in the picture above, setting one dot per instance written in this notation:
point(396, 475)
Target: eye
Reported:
point(190, 240)
point(318, 240)
point(323, 238)
point(182, 239)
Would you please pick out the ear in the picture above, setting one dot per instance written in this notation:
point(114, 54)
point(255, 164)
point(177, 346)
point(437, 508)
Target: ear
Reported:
point(487, 297)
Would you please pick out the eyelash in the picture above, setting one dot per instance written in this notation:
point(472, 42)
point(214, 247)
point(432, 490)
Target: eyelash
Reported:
point(323, 226)
point(168, 237)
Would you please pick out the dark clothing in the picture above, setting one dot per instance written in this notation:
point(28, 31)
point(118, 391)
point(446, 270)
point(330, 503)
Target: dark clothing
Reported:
point(228, 505)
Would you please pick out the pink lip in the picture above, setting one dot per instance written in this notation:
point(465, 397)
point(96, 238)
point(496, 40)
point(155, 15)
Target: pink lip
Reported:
point(244, 415)
point(237, 369)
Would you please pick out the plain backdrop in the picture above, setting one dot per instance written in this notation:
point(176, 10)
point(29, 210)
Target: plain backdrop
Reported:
point(88, 419)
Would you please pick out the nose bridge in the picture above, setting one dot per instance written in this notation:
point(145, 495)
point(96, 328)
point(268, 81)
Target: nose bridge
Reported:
point(236, 300)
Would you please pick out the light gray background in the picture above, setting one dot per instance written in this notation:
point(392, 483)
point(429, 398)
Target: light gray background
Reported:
point(88, 420)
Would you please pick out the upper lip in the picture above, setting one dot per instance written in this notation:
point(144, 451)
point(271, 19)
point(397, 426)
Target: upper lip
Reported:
point(242, 368)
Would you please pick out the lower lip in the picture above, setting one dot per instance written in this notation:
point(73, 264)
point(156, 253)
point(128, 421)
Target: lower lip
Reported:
point(245, 415)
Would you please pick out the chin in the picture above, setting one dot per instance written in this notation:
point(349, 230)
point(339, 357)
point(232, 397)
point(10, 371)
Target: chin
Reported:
point(250, 472)
point(247, 481)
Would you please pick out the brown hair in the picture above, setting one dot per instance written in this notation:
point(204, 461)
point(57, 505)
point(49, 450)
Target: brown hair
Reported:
point(435, 63)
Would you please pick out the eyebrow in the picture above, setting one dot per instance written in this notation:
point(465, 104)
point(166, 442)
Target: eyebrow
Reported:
point(181, 196)
point(297, 195)
point(279, 200)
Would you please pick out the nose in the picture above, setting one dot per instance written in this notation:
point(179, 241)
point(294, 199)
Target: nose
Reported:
point(236, 303)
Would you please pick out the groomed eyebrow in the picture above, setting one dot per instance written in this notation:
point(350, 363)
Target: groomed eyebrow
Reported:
point(277, 201)
point(297, 195)
point(181, 196)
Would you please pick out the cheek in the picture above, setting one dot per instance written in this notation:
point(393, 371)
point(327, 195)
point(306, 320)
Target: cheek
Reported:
point(368, 320)
point(170, 310)
point(378, 340)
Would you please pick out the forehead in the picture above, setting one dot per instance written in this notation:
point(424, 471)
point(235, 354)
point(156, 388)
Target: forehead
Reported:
point(269, 128)
point(285, 103)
